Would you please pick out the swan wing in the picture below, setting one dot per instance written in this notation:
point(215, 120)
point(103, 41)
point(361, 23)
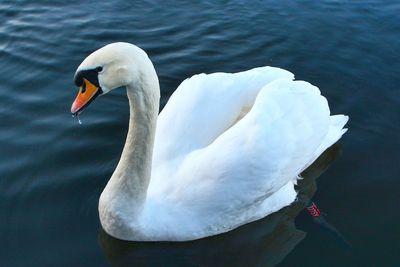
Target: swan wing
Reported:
point(250, 169)
point(216, 170)
point(263, 151)
point(204, 106)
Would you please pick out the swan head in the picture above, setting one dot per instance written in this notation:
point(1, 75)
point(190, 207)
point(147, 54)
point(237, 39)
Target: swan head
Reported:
point(112, 66)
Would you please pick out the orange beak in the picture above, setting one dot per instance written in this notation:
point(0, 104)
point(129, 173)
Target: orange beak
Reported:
point(87, 93)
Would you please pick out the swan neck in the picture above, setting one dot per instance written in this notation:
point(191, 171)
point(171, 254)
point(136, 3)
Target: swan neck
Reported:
point(123, 198)
point(136, 158)
point(135, 163)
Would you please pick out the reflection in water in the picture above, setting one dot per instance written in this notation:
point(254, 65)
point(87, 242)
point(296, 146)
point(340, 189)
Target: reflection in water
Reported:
point(262, 243)
point(332, 231)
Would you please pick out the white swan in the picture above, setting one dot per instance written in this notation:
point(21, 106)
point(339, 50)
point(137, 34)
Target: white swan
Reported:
point(227, 150)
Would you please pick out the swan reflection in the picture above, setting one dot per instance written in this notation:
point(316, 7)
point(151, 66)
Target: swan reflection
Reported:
point(262, 243)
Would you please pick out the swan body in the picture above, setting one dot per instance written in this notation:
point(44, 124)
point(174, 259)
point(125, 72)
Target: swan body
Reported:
point(226, 150)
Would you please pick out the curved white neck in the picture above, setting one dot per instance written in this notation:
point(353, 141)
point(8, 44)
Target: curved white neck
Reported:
point(123, 198)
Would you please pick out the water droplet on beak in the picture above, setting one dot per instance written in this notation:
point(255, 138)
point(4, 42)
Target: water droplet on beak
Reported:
point(77, 116)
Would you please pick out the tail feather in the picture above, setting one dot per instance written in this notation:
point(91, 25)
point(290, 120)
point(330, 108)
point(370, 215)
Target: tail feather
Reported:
point(335, 132)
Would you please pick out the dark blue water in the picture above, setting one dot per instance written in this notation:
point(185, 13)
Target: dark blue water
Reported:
point(52, 170)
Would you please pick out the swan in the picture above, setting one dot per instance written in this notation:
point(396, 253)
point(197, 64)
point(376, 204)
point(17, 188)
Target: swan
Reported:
point(226, 150)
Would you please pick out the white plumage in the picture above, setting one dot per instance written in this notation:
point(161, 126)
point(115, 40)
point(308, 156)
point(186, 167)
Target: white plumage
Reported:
point(228, 149)
point(216, 172)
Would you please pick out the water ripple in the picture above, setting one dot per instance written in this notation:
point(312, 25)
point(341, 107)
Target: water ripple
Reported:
point(53, 169)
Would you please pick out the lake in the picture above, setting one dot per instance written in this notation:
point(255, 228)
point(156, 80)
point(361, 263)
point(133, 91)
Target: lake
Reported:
point(52, 169)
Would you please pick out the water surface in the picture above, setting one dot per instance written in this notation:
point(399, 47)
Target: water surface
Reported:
point(52, 170)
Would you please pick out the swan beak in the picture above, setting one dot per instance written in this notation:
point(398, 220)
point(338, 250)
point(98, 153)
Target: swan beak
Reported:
point(87, 93)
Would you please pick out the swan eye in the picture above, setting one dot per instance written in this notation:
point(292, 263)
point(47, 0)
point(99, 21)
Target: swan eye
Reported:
point(83, 90)
point(99, 69)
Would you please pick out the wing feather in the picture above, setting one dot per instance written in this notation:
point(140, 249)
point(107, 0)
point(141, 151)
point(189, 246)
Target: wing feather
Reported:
point(265, 150)
point(205, 106)
point(213, 172)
